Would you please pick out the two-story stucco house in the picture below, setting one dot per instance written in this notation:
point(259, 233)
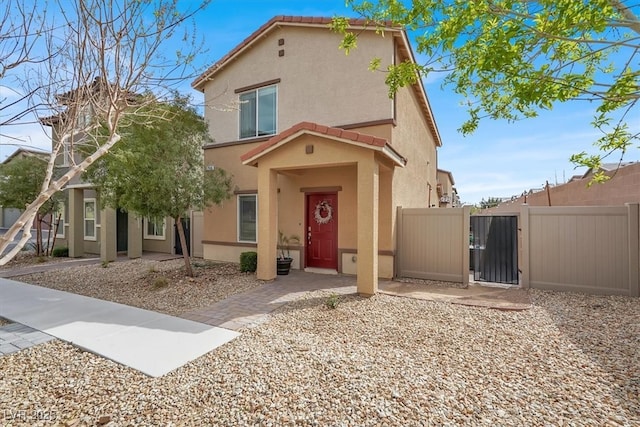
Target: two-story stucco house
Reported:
point(317, 148)
point(87, 228)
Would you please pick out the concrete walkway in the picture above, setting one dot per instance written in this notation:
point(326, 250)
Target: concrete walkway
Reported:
point(150, 342)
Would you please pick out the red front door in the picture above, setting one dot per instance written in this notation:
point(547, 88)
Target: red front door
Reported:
point(322, 231)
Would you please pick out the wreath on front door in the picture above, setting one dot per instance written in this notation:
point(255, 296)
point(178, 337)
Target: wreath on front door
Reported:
point(323, 212)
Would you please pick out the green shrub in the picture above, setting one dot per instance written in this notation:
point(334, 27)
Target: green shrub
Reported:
point(333, 301)
point(61, 251)
point(248, 262)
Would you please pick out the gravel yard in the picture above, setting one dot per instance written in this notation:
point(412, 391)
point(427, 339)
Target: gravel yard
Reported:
point(570, 360)
point(153, 285)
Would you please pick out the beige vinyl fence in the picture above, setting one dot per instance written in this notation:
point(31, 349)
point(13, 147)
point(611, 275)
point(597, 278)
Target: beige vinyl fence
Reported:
point(582, 249)
point(197, 230)
point(433, 244)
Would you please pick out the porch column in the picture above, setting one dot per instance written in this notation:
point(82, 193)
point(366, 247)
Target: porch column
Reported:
point(368, 195)
point(267, 222)
point(134, 236)
point(108, 235)
point(76, 222)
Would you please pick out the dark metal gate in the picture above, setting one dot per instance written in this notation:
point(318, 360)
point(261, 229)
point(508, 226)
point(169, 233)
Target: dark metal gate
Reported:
point(122, 231)
point(494, 249)
point(186, 226)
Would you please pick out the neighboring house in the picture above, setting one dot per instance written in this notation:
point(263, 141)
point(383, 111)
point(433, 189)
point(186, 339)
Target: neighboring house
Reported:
point(620, 189)
point(8, 216)
point(317, 148)
point(90, 229)
point(447, 193)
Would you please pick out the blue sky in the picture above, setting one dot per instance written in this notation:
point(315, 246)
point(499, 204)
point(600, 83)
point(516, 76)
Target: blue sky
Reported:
point(499, 160)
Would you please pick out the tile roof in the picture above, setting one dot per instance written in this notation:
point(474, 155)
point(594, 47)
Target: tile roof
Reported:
point(334, 133)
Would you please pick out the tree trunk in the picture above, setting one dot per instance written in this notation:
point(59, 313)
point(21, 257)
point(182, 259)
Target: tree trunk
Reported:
point(183, 244)
point(48, 249)
point(38, 234)
point(55, 234)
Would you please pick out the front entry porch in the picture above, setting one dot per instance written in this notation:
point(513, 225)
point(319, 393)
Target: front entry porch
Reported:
point(312, 159)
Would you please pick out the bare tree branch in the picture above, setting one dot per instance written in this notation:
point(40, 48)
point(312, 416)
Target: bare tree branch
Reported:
point(103, 64)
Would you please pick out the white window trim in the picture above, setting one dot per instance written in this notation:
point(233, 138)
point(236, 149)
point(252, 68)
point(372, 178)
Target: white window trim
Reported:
point(240, 138)
point(63, 221)
point(255, 195)
point(95, 220)
point(148, 236)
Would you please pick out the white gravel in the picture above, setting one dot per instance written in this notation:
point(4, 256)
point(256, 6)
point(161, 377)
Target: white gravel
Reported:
point(570, 360)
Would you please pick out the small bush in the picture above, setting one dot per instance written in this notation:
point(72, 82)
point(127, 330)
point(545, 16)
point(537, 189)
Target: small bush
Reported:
point(248, 262)
point(333, 301)
point(160, 282)
point(61, 251)
point(105, 264)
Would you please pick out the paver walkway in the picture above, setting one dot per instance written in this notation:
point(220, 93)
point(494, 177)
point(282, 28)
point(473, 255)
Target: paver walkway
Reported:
point(15, 337)
point(253, 307)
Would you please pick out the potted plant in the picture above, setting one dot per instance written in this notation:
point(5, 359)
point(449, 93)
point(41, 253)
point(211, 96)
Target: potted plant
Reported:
point(283, 262)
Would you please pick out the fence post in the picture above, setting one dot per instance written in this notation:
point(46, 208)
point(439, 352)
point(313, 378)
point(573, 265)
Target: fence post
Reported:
point(466, 227)
point(633, 220)
point(396, 259)
point(524, 232)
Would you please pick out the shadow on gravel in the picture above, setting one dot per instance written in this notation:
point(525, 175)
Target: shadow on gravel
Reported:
point(606, 329)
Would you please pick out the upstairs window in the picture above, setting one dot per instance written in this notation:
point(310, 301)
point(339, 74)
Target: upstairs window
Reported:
point(258, 112)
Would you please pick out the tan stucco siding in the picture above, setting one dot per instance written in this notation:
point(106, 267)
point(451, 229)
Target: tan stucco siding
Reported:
point(291, 201)
point(381, 131)
point(221, 221)
point(331, 165)
point(318, 82)
point(225, 253)
point(413, 139)
point(385, 265)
